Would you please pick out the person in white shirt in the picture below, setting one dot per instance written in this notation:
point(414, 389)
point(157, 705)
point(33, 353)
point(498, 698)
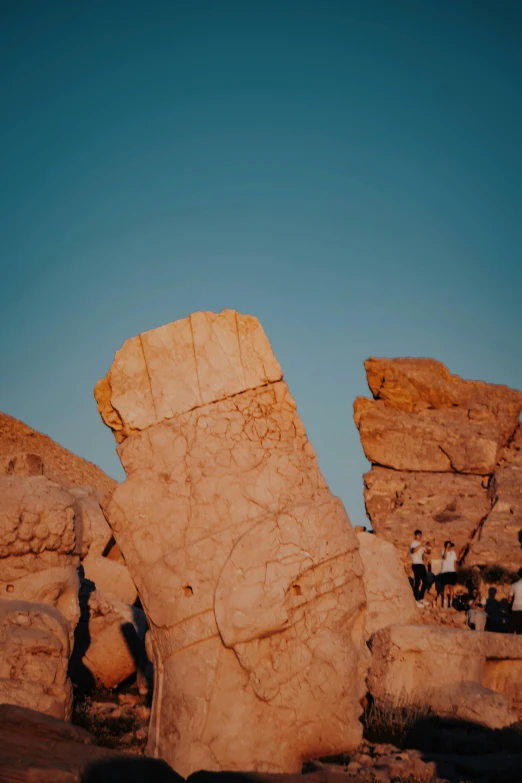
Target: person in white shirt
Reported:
point(515, 599)
point(448, 572)
point(417, 552)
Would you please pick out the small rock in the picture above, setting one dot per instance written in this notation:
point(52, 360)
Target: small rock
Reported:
point(141, 734)
point(128, 698)
point(142, 712)
point(127, 739)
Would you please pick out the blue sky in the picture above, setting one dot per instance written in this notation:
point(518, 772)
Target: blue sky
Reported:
point(350, 172)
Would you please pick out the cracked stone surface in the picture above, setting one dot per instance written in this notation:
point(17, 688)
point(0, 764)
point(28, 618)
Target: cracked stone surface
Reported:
point(427, 440)
point(413, 385)
point(38, 544)
point(34, 655)
point(246, 565)
point(445, 457)
point(388, 593)
point(474, 676)
point(442, 505)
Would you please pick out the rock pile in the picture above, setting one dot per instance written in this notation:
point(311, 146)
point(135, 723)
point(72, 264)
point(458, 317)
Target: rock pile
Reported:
point(246, 565)
point(446, 457)
point(50, 531)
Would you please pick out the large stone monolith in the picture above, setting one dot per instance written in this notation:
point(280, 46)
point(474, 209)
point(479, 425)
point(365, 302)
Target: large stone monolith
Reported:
point(246, 564)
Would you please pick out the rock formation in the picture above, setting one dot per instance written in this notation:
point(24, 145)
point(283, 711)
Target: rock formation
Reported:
point(389, 597)
point(38, 544)
point(445, 458)
point(246, 565)
point(34, 655)
point(46, 530)
point(110, 644)
point(499, 538)
point(467, 675)
point(20, 444)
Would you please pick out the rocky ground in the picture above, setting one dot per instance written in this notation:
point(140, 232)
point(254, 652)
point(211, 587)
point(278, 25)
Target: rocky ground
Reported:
point(403, 747)
point(116, 720)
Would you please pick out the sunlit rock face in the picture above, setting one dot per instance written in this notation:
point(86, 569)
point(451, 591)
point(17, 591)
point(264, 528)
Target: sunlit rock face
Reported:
point(446, 458)
point(246, 565)
point(39, 544)
point(34, 655)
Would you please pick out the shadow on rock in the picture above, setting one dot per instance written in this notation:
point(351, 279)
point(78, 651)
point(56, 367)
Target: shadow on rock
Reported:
point(130, 770)
point(78, 671)
point(468, 751)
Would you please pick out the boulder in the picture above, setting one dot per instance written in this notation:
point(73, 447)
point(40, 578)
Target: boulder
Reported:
point(469, 675)
point(442, 505)
point(93, 533)
point(414, 385)
point(34, 656)
point(109, 642)
point(110, 577)
point(388, 593)
point(36, 748)
point(184, 365)
point(246, 565)
point(447, 440)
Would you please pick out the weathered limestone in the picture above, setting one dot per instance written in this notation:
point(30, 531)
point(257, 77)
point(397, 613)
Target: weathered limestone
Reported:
point(413, 385)
point(246, 565)
point(445, 460)
point(50, 522)
point(56, 463)
point(34, 655)
point(499, 539)
point(39, 587)
point(56, 587)
point(36, 525)
point(23, 464)
point(38, 543)
point(388, 593)
point(111, 578)
point(474, 676)
point(93, 533)
point(184, 365)
point(442, 505)
point(110, 644)
point(430, 440)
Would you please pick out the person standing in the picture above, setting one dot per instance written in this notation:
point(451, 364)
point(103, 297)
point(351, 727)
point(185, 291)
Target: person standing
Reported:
point(448, 572)
point(515, 600)
point(417, 552)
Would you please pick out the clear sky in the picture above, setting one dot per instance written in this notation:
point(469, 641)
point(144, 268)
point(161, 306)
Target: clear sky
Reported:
point(350, 172)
